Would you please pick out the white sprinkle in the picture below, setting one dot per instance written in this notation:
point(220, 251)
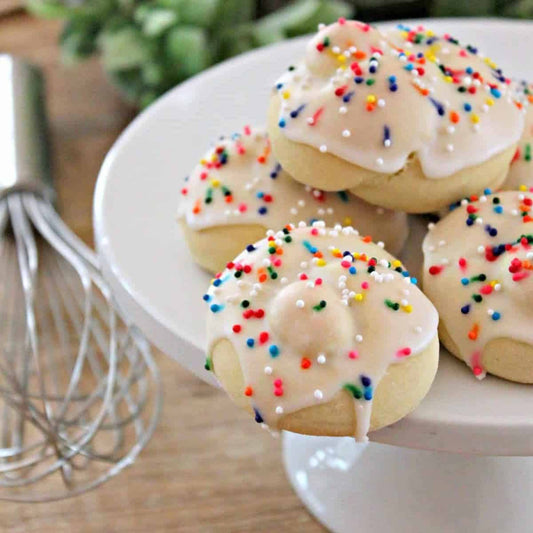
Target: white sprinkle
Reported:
point(450, 129)
point(323, 148)
point(379, 161)
point(283, 280)
point(442, 243)
point(293, 211)
point(304, 264)
point(336, 50)
point(406, 292)
point(387, 143)
point(498, 287)
point(343, 110)
point(483, 199)
point(404, 302)
point(346, 133)
point(480, 249)
point(318, 394)
point(490, 312)
point(381, 244)
point(449, 148)
point(418, 329)
point(310, 121)
point(381, 102)
point(321, 359)
point(300, 304)
point(301, 203)
point(268, 370)
point(359, 338)
point(279, 410)
point(479, 221)
point(431, 225)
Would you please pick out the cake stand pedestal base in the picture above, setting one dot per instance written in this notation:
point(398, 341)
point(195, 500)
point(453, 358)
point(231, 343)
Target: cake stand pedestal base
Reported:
point(387, 489)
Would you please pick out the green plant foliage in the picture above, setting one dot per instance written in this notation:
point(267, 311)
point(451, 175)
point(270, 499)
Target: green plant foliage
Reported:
point(148, 46)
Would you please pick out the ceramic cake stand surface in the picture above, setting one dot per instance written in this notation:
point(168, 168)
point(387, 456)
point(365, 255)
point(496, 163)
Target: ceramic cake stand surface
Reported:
point(412, 481)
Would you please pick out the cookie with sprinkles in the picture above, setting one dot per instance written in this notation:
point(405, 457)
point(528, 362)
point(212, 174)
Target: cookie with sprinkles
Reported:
point(478, 271)
point(404, 119)
point(238, 190)
point(318, 331)
point(520, 175)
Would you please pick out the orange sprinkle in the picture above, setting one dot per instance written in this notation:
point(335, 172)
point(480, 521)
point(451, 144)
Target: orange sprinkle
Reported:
point(473, 333)
point(423, 92)
point(248, 391)
point(360, 54)
point(454, 117)
point(368, 238)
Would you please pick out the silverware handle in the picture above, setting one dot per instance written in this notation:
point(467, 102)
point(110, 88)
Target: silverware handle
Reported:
point(24, 154)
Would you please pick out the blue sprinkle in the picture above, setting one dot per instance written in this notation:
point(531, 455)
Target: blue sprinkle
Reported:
point(352, 270)
point(368, 393)
point(487, 191)
point(250, 248)
point(393, 88)
point(409, 67)
point(366, 381)
point(282, 123)
point(206, 297)
point(392, 79)
point(498, 209)
point(273, 350)
point(496, 315)
point(469, 221)
point(258, 417)
point(312, 249)
point(438, 106)
point(296, 112)
point(348, 96)
point(467, 107)
point(465, 281)
point(359, 79)
point(250, 342)
point(260, 194)
point(217, 282)
point(405, 274)
point(262, 210)
point(469, 70)
point(215, 308)
point(465, 309)
point(279, 86)
point(495, 92)
point(414, 281)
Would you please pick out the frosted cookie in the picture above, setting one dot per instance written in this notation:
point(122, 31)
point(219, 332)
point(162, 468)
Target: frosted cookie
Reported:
point(478, 271)
point(320, 332)
point(521, 170)
point(238, 191)
point(407, 120)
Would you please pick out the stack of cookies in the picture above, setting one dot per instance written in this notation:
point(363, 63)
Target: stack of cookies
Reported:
point(314, 326)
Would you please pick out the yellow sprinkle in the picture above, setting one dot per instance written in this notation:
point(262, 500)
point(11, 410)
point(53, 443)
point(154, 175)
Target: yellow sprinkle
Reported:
point(494, 282)
point(448, 79)
point(215, 182)
point(359, 297)
point(523, 188)
point(347, 221)
point(474, 118)
point(286, 94)
point(341, 58)
point(489, 101)
point(396, 263)
point(407, 308)
point(490, 62)
point(214, 158)
point(203, 161)
point(371, 99)
point(320, 263)
point(430, 33)
point(431, 57)
point(335, 251)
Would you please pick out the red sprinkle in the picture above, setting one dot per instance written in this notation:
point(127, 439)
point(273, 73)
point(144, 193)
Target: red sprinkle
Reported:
point(236, 328)
point(248, 391)
point(435, 269)
point(305, 363)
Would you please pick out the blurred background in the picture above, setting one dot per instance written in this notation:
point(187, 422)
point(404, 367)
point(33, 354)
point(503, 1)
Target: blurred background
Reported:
point(103, 61)
point(148, 46)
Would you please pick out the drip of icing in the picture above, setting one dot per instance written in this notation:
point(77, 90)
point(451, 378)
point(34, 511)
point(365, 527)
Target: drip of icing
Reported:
point(433, 97)
point(239, 182)
point(521, 170)
point(478, 264)
point(306, 311)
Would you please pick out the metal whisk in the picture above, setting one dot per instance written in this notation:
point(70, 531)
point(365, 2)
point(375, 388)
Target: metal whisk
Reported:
point(79, 390)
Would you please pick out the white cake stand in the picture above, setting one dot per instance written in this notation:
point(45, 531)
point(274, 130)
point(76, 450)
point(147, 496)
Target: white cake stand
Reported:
point(348, 487)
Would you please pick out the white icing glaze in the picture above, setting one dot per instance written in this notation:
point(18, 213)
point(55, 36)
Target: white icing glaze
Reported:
point(306, 320)
point(411, 105)
point(261, 192)
point(456, 254)
point(521, 170)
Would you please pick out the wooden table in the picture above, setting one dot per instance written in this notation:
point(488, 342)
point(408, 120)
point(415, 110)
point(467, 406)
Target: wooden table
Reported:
point(208, 467)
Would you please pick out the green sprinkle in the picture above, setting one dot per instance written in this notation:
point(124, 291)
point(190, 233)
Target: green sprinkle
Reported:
point(320, 305)
point(353, 390)
point(392, 305)
point(208, 364)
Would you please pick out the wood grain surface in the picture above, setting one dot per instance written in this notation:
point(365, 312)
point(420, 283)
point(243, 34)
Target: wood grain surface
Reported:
point(208, 467)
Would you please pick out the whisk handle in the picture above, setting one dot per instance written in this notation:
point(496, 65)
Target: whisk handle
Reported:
point(24, 154)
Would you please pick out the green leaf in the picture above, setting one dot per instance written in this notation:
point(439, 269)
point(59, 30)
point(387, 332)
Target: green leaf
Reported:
point(452, 8)
point(64, 9)
point(155, 20)
point(230, 13)
point(78, 40)
point(123, 48)
point(199, 12)
point(187, 50)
